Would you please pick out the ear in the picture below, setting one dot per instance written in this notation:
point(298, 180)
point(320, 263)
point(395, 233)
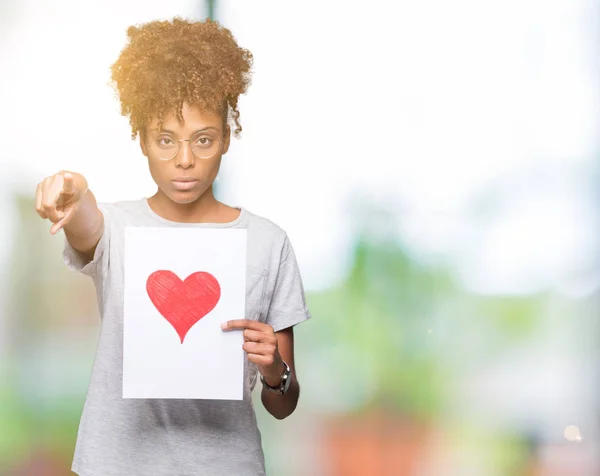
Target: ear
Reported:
point(226, 139)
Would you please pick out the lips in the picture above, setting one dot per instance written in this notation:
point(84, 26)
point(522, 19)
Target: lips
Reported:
point(184, 183)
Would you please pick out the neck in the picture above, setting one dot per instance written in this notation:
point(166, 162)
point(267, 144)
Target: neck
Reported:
point(205, 209)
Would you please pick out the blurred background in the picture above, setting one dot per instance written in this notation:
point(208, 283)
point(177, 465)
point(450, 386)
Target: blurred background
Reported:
point(436, 166)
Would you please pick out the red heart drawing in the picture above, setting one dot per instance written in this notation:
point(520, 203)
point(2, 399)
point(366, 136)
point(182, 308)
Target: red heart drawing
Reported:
point(183, 303)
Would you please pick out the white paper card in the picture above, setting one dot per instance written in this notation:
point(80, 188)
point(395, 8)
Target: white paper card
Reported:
point(180, 285)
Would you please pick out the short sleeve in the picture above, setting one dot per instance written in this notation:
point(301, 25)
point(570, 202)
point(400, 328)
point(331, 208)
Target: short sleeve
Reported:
point(75, 261)
point(288, 303)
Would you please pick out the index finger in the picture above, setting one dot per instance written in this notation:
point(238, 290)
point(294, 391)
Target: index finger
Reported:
point(68, 185)
point(243, 324)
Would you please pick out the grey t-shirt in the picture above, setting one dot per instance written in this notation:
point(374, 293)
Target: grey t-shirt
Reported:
point(175, 437)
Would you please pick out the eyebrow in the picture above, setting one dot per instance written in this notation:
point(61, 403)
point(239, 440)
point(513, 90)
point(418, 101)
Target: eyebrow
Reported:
point(199, 130)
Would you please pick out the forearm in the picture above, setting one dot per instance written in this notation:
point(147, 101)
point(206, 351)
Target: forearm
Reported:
point(281, 406)
point(86, 226)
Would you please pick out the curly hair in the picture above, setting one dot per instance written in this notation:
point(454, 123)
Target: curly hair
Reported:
point(167, 63)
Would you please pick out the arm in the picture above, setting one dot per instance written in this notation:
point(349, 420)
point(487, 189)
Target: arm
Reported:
point(267, 348)
point(86, 227)
point(282, 406)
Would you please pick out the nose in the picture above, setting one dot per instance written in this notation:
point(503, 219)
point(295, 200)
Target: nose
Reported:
point(184, 157)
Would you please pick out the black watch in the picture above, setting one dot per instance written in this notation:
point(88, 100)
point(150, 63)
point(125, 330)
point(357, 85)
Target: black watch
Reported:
point(284, 385)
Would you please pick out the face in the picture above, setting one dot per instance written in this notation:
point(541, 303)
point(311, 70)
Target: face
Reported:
point(185, 178)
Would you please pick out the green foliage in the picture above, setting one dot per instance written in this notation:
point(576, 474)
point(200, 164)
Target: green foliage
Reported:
point(396, 320)
point(16, 433)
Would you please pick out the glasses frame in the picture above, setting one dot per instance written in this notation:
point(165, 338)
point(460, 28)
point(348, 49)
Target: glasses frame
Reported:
point(179, 141)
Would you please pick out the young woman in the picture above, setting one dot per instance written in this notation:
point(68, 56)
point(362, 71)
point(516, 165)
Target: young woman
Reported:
point(179, 82)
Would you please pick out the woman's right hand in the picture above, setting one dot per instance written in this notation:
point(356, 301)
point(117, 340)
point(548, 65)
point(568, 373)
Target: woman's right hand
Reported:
point(58, 197)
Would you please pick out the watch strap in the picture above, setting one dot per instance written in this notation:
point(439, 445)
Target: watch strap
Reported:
point(284, 384)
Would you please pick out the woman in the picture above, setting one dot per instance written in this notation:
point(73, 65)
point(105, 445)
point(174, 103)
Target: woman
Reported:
point(179, 82)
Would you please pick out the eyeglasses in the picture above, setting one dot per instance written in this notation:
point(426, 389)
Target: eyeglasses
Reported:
point(164, 146)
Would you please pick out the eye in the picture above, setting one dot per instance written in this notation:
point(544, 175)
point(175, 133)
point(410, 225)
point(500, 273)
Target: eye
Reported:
point(203, 142)
point(165, 141)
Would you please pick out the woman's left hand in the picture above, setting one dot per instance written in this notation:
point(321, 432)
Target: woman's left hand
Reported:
point(260, 343)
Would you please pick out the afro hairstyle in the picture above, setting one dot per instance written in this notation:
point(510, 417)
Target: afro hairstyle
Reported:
point(167, 63)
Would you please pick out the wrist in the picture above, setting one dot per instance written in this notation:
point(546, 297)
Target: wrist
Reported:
point(273, 380)
point(273, 377)
point(278, 384)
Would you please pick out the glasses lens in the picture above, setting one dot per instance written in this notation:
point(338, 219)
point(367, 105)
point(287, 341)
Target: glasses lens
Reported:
point(205, 147)
point(164, 147)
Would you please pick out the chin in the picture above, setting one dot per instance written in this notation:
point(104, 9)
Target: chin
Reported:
point(184, 198)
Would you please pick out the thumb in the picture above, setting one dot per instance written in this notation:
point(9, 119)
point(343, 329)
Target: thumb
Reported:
point(63, 221)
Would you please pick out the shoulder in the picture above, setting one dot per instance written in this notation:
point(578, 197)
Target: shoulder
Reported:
point(263, 231)
point(263, 224)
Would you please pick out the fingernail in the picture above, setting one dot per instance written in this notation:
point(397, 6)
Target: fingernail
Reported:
point(224, 325)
